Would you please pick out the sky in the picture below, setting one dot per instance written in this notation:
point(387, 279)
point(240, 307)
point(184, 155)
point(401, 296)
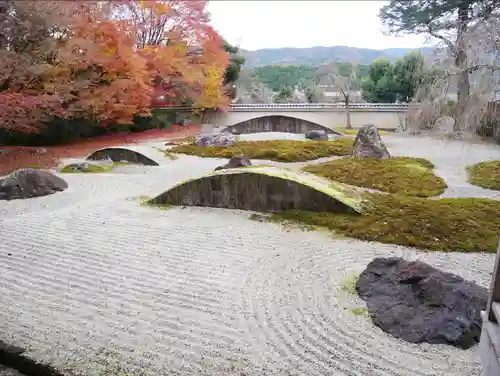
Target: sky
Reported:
point(274, 24)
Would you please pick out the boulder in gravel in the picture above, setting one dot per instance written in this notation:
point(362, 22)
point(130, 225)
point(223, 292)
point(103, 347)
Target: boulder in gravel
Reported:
point(235, 162)
point(30, 182)
point(316, 135)
point(215, 139)
point(369, 144)
point(418, 303)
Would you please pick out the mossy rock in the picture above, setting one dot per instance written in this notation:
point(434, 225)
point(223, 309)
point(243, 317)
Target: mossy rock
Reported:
point(86, 168)
point(485, 175)
point(401, 175)
point(274, 150)
point(263, 189)
point(459, 224)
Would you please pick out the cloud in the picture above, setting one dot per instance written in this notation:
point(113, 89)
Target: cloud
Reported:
point(277, 24)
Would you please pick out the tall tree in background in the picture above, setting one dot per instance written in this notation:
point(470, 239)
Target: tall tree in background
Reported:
point(329, 75)
point(233, 70)
point(380, 86)
point(449, 21)
point(409, 74)
point(183, 51)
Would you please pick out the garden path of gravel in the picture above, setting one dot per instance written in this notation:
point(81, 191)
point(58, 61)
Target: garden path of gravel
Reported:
point(92, 281)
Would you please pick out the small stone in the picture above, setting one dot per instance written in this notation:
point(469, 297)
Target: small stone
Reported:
point(369, 144)
point(79, 166)
point(316, 135)
point(235, 162)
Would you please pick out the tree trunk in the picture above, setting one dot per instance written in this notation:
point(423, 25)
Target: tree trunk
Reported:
point(347, 113)
point(463, 85)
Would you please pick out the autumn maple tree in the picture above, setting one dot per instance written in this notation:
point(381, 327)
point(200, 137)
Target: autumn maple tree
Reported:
point(186, 57)
point(105, 60)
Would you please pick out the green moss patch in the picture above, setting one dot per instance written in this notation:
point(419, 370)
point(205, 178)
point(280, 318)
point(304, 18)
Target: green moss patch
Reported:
point(485, 175)
point(354, 131)
point(91, 168)
point(360, 311)
point(349, 283)
point(402, 175)
point(460, 224)
point(275, 150)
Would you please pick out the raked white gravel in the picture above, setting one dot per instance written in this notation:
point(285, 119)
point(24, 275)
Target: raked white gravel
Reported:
point(93, 282)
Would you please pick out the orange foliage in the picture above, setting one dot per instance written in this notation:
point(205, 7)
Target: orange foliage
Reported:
point(110, 78)
point(184, 53)
point(105, 60)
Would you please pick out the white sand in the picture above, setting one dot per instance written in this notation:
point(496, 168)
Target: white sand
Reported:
point(92, 281)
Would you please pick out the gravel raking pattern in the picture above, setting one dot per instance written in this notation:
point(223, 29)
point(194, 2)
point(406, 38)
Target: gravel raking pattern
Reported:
point(92, 281)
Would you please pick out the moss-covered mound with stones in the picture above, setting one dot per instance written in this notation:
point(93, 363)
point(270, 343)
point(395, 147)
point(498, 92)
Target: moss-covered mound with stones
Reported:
point(402, 175)
point(485, 175)
point(86, 168)
point(461, 224)
point(275, 150)
point(263, 189)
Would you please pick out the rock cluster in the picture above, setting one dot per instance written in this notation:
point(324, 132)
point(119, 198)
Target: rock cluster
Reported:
point(215, 139)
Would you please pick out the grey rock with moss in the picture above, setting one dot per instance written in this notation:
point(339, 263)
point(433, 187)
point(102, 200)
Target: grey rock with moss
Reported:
point(30, 182)
point(215, 139)
point(416, 302)
point(369, 144)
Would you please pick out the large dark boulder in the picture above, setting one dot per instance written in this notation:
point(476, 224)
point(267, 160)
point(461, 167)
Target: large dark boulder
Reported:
point(415, 302)
point(369, 144)
point(235, 162)
point(215, 139)
point(316, 135)
point(30, 182)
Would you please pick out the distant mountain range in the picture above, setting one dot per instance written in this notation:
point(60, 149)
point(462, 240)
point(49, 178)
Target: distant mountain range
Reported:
point(320, 55)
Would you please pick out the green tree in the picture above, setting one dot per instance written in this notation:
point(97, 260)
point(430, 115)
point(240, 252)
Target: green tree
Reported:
point(448, 21)
point(329, 75)
point(380, 86)
point(233, 70)
point(284, 95)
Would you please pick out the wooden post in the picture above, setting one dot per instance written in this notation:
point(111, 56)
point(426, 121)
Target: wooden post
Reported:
point(494, 288)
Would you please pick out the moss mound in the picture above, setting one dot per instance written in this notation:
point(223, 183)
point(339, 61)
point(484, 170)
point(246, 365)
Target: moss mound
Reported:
point(461, 224)
point(263, 189)
point(89, 168)
point(275, 150)
point(485, 175)
point(402, 175)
